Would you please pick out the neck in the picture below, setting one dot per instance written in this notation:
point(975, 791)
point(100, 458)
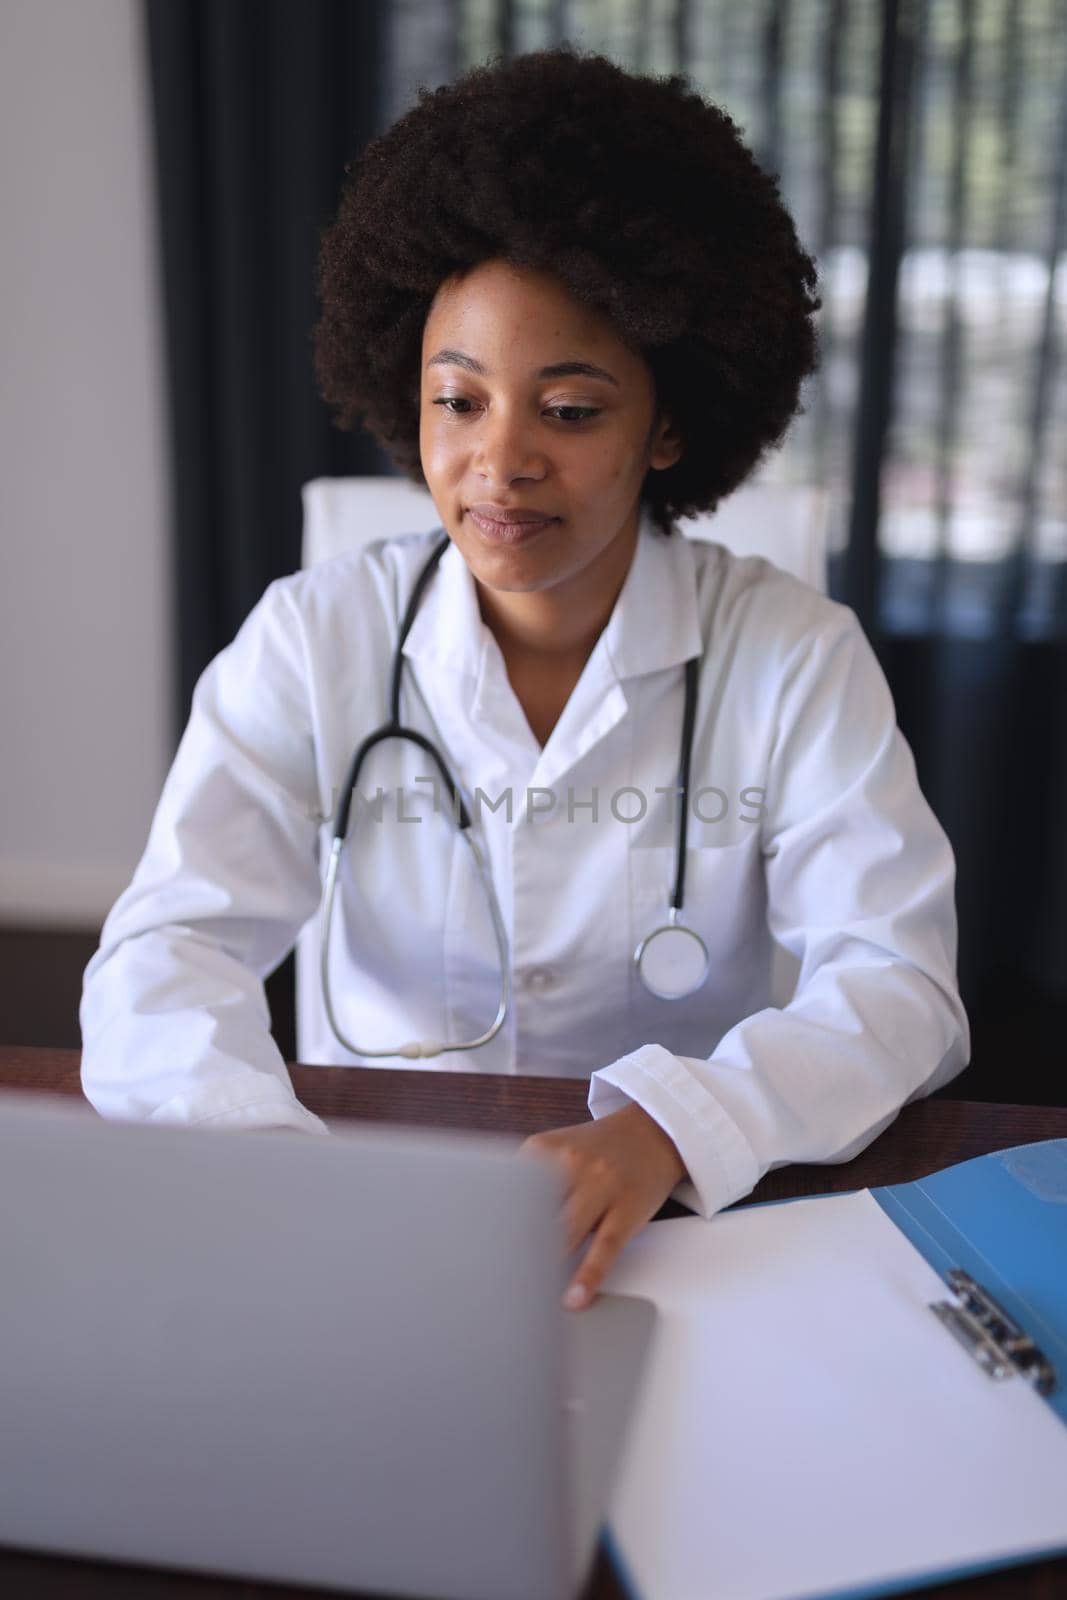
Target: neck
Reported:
point(560, 625)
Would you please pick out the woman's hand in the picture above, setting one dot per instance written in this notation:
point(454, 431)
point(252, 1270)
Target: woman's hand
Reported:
point(618, 1172)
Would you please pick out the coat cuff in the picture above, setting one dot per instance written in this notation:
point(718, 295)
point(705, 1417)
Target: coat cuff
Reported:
point(219, 1110)
point(718, 1158)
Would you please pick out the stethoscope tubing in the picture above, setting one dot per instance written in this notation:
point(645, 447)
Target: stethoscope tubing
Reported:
point(394, 729)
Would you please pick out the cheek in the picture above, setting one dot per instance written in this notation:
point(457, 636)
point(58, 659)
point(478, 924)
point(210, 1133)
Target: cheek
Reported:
point(436, 450)
point(613, 465)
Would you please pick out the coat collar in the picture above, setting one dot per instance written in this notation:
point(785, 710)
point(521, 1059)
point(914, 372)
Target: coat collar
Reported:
point(654, 623)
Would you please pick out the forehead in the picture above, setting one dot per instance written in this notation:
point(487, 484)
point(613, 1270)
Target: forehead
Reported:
point(499, 308)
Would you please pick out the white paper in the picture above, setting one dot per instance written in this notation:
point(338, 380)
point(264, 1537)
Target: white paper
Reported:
point(808, 1425)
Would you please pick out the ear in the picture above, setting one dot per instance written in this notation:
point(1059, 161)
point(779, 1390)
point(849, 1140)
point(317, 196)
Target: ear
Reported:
point(666, 445)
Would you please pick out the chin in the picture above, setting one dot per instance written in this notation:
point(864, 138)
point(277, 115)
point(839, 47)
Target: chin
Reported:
point(507, 572)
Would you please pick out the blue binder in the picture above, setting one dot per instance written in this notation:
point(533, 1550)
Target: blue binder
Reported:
point(1001, 1220)
point(994, 1230)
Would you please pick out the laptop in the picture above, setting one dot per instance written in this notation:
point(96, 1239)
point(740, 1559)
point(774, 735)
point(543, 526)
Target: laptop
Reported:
point(335, 1361)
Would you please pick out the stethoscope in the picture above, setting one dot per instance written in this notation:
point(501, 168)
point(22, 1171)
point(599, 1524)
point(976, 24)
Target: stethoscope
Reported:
point(671, 960)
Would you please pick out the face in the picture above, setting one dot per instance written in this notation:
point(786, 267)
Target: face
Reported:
point(531, 403)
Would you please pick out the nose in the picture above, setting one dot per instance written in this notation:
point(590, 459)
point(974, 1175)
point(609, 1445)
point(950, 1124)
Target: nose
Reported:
point(507, 449)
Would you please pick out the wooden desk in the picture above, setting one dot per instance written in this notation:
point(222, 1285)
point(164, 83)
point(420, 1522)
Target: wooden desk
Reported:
point(926, 1136)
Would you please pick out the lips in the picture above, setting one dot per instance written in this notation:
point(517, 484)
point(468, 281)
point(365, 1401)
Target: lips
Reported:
point(493, 513)
point(510, 527)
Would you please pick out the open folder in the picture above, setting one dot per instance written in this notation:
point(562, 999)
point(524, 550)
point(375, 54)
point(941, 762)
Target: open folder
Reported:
point(852, 1394)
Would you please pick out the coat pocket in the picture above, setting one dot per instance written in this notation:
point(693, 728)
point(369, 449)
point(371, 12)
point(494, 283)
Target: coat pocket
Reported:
point(724, 900)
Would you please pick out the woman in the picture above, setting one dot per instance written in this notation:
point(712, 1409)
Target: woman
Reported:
point(569, 302)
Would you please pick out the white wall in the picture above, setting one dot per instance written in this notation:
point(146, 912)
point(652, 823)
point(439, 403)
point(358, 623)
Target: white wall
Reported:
point(85, 644)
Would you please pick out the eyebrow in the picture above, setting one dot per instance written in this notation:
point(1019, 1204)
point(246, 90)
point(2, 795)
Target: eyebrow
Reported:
point(560, 369)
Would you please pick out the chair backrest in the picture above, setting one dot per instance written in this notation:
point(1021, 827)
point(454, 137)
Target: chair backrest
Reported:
point(786, 525)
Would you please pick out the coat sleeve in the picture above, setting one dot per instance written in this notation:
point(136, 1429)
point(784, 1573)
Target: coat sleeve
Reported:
point(175, 1025)
point(860, 888)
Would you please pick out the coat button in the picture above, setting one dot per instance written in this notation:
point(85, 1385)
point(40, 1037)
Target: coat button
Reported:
point(538, 980)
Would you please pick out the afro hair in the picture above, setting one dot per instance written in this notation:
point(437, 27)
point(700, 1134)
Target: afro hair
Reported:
point(636, 193)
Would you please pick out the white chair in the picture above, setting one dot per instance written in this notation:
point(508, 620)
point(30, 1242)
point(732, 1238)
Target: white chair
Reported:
point(786, 525)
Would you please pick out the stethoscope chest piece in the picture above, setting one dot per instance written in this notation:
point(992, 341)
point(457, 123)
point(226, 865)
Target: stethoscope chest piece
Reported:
point(672, 961)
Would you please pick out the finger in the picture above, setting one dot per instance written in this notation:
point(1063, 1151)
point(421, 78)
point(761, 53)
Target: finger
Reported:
point(608, 1240)
point(543, 1147)
point(585, 1207)
point(552, 1144)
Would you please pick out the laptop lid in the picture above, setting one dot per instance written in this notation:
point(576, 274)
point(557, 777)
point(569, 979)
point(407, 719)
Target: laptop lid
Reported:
point(337, 1361)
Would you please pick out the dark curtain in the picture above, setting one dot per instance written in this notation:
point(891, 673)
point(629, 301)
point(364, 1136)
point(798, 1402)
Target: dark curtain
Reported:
point(257, 106)
point(974, 642)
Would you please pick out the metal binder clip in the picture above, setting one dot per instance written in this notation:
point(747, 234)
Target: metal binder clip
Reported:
point(994, 1339)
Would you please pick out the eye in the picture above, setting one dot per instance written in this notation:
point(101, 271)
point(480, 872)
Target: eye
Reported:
point(573, 415)
point(577, 413)
point(453, 400)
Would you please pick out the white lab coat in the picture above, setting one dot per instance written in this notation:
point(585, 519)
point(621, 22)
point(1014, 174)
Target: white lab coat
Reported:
point(807, 827)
